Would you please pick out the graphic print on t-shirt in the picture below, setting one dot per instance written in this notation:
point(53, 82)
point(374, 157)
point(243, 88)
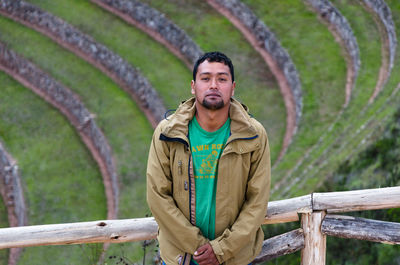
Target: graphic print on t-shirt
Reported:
point(208, 154)
point(208, 165)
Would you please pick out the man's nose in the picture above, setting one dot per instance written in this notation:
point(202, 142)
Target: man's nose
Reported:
point(213, 83)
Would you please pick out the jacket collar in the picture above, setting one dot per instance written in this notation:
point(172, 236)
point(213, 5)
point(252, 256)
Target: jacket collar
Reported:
point(241, 126)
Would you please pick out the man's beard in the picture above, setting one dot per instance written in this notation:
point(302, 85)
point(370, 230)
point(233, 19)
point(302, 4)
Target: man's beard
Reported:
point(213, 105)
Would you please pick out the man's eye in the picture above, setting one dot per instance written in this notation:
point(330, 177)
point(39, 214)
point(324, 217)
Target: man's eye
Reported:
point(222, 79)
point(205, 79)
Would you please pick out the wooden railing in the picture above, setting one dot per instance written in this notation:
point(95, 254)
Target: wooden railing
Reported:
point(317, 222)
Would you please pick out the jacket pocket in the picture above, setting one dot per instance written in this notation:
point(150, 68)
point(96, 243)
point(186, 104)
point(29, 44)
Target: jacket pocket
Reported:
point(178, 178)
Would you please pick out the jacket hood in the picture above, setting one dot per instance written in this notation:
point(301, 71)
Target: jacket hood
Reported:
point(177, 123)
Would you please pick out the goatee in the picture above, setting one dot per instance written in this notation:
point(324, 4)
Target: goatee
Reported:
point(213, 105)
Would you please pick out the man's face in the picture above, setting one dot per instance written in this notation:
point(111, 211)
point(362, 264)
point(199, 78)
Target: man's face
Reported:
point(213, 87)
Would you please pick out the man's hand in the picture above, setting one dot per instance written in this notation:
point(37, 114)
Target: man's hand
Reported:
point(204, 255)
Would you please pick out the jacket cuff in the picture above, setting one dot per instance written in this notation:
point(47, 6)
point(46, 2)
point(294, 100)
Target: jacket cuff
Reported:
point(217, 251)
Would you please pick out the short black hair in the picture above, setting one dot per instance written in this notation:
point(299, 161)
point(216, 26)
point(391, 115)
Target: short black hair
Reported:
point(214, 57)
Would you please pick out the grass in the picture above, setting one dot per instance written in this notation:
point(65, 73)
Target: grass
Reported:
point(256, 87)
point(36, 134)
point(255, 82)
point(337, 147)
point(155, 62)
point(322, 71)
point(3, 223)
point(60, 179)
point(378, 116)
point(375, 166)
point(369, 41)
point(125, 127)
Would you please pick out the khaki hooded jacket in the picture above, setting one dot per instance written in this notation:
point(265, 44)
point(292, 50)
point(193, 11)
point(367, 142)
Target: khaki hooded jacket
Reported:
point(242, 188)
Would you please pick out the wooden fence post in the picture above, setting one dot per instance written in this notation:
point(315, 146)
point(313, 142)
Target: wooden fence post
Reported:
point(314, 251)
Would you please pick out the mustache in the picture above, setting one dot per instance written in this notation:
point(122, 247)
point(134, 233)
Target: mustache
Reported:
point(213, 93)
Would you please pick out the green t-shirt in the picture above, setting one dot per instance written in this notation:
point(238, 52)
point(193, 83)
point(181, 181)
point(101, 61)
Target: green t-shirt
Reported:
point(206, 148)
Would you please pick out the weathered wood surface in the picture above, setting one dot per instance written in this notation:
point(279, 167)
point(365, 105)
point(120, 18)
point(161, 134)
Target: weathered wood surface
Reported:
point(284, 211)
point(282, 218)
point(314, 251)
point(112, 231)
point(298, 204)
point(280, 245)
point(333, 202)
point(362, 229)
point(117, 231)
point(358, 200)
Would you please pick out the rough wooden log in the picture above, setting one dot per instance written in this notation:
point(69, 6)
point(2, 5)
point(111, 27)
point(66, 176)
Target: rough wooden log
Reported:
point(146, 228)
point(280, 245)
point(349, 201)
point(362, 229)
point(282, 218)
point(112, 231)
point(298, 205)
point(333, 202)
point(314, 251)
point(285, 211)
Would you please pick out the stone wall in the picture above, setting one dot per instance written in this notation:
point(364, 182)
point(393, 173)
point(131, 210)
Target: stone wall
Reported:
point(13, 197)
point(70, 105)
point(11, 189)
point(385, 16)
point(270, 43)
point(153, 20)
point(85, 46)
point(334, 18)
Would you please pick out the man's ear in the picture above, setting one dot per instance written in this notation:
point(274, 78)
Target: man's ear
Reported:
point(233, 88)
point(192, 86)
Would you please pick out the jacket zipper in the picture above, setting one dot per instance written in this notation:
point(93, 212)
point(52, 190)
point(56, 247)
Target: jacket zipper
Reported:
point(192, 199)
point(180, 165)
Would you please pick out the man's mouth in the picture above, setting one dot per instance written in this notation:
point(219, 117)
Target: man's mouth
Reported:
point(213, 95)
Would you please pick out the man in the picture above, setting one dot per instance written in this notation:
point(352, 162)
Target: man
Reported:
point(208, 173)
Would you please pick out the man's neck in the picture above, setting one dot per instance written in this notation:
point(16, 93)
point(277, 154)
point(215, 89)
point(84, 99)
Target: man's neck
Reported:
point(211, 120)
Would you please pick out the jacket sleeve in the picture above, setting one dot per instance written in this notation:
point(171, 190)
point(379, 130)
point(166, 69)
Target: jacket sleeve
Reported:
point(254, 208)
point(179, 231)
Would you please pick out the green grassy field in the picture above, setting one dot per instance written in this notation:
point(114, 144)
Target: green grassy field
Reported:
point(350, 135)
point(61, 180)
point(360, 158)
point(3, 223)
point(369, 42)
point(121, 121)
point(366, 32)
point(155, 62)
point(321, 67)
